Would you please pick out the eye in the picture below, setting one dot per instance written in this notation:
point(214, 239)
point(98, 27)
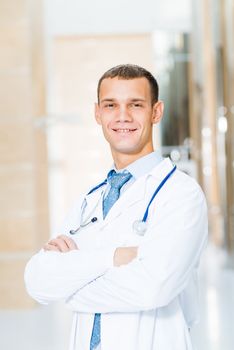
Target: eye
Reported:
point(137, 105)
point(109, 105)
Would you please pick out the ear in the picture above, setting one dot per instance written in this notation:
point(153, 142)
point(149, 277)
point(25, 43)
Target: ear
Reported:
point(157, 114)
point(97, 113)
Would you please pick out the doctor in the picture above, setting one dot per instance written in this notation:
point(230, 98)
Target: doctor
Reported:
point(127, 256)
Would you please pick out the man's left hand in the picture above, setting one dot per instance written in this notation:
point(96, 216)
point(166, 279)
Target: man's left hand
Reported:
point(61, 244)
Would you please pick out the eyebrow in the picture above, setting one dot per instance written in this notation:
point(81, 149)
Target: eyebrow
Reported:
point(131, 100)
point(137, 99)
point(107, 100)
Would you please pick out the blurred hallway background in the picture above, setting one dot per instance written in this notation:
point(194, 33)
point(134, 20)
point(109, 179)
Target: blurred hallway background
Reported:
point(52, 55)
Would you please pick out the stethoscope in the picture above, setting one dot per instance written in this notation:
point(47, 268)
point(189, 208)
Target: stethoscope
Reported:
point(138, 226)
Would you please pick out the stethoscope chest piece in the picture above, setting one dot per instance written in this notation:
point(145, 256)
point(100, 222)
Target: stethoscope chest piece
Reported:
point(139, 227)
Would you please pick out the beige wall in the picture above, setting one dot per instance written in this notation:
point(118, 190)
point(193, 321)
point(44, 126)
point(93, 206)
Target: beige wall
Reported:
point(23, 154)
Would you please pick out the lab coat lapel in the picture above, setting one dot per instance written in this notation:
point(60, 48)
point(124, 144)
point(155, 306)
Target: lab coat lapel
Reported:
point(162, 169)
point(92, 201)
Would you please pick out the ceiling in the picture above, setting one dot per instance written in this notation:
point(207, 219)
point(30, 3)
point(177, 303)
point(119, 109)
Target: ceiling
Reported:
point(68, 17)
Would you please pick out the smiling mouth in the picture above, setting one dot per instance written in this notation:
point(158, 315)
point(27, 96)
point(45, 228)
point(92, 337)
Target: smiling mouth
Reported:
point(124, 131)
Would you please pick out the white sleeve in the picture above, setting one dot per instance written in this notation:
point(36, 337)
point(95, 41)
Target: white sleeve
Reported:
point(51, 276)
point(163, 267)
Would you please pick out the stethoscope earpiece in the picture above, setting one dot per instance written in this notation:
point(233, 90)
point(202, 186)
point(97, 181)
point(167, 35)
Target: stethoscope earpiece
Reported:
point(73, 232)
point(93, 219)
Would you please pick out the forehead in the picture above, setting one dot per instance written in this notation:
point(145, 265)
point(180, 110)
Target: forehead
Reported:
point(119, 88)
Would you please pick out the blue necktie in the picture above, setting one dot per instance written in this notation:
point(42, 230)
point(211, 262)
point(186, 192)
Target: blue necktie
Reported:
point(116, 181)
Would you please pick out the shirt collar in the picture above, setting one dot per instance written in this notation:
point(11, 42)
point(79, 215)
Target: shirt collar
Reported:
point(143, 165)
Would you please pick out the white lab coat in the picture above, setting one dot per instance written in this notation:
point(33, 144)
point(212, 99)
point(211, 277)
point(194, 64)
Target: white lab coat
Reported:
point(150, 303)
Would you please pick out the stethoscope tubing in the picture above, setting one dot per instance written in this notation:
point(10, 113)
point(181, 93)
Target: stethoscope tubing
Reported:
point(144, 219)
point(97, 187)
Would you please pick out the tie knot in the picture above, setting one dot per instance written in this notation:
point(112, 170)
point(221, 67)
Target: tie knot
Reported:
point(117, 180)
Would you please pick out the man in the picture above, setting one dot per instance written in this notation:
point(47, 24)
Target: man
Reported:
point(132, 285)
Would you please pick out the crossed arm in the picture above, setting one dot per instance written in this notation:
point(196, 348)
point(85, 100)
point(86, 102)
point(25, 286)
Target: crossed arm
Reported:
point(61, 269)
point(124, 279)
point(64, 244)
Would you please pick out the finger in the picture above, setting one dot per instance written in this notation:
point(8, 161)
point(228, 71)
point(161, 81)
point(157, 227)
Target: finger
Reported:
point(60, 244)
point(50, 247)
point(69, 242)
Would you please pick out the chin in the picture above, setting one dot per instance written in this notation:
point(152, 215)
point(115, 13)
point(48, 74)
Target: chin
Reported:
point(126, 149)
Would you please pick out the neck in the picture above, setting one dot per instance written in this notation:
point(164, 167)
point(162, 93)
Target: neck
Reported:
point(122, 160)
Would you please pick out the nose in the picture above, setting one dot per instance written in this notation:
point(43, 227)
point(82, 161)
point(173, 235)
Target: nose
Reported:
point(124, 114)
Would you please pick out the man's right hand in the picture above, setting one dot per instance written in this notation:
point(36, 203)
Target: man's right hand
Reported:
point(124, 255)
point(61, 244)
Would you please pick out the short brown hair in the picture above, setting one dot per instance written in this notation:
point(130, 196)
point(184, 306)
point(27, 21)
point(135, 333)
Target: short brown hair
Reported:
point(131, 71)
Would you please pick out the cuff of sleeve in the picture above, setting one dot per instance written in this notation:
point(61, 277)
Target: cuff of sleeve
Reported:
point(142, 251)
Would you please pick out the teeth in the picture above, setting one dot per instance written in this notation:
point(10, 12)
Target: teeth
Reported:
point(123, 130)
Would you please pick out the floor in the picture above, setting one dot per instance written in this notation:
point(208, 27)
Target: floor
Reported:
point(215, 330)
point(47, 328)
